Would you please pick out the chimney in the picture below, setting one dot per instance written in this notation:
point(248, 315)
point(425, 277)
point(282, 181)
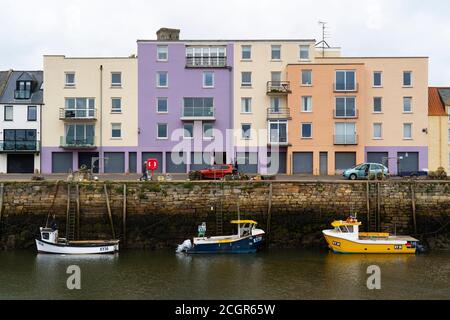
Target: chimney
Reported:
point(167, 34)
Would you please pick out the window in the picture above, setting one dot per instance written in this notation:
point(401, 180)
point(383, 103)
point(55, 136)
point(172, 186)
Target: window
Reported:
point(162, 79)
point(407, 104)
point(198, 107)
point(377, 104)
point(407, 78)
point(306, 104)
point(378, 79)
point(377, 130)
point(306, 77)
point(162, 131)
point(246, 79)
point(23, 90)
point(8, 116)
point(304, 52)
point(345, 80)
point(208, 130)
point(79, 108)
point(116, 130)
point(246, 131)
point(407, 131)
point(246, 53)
point(162, 53)
point(276, 52)
point(79, 134)
point(345, 133)
point(161, 105)
point(32, 113)
point(275, 104)
point(116, 79)
point(208, 79)
point(188, 131)
point(70, 79)
point(278, 131)
point(206, 56)
point(116, 105)
point(345, 107)
point(306, 131)
point(246, 105)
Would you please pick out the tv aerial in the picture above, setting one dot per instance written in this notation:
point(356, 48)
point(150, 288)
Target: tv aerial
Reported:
point(323, 44)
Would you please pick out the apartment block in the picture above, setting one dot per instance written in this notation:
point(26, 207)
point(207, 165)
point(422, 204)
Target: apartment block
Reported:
point(90, 114)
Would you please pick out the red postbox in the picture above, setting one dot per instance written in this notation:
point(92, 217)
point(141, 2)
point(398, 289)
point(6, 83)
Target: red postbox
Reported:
point(152, 164)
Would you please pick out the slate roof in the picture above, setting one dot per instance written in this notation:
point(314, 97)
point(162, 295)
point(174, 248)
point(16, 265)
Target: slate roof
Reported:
point(37, 95)
point(4, 75)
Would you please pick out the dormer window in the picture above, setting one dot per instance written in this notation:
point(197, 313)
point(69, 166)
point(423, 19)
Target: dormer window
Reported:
point(23, 90)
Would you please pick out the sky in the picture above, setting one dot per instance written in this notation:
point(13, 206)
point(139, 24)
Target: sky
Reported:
point(29, 28)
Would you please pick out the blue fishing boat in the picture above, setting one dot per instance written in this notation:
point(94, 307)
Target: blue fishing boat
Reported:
point(248, 239)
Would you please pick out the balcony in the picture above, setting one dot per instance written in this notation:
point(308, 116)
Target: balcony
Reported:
point(16, 146)
point(198, 113)
point(77, 114)
point(278, 114)
point(346, 114)
point(206, 62)
point(344, 88)
point(22, 94)
point(70, 142)
point(349, 139)
point(276, 88)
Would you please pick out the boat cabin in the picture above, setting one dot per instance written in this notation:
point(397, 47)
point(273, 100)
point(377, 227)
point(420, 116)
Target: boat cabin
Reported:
point(49, 235)
point(349, 226)
point(245, 227)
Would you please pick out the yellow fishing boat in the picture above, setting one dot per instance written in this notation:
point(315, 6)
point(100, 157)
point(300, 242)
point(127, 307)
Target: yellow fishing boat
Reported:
point(346, 238)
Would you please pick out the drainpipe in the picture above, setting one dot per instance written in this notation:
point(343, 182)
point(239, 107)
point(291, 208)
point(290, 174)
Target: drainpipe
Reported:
point(100, 149)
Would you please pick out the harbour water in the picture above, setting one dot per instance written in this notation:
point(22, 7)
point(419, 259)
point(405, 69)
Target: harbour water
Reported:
point(274, 274)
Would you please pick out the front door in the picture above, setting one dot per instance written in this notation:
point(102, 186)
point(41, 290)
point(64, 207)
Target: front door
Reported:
point(324, 163)
point(85, 158)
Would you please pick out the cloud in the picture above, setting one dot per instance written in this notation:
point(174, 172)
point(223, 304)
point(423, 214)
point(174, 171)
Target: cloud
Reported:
point(111, 27)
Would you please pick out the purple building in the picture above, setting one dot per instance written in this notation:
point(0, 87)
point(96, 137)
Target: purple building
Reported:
point(185, 96)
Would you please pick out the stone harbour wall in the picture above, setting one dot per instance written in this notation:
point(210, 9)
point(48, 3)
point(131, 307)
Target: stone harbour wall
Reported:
point(162, 214)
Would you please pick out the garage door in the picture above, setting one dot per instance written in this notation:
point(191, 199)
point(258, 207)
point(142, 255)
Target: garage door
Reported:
point(20, 163)
point(200, 160)
point(378, 157)
point(153, 155)
point(302, 162)
point(277, 162)
point(132, 161)
point(176, 162)
point(409, 163)
point(62, 162)
point(114, 162)
point(86, 159)
point(247, 162)
point(344, 160)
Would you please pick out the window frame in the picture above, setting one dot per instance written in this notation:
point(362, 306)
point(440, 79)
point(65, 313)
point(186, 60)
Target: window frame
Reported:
point(184, 130)
point(113, 110)
point(410, 104)
point(157, 105)
point(246, 84)
point(302, 136)
point(115, 84)
point(380, 124)
point(249, 105)
point(303, 104)
point(204, 79)
point(272, 51)
point(249, 131)
point(411, 131)
point(242, 52)
point(158, 73)
point(157, 130)
point(381, 105)
point(381, 79)
point(161, 46)
point(310, 78)
point(346, 89)
point(12, 113)
point(410, 85)
point(28, 113)
point(67, 84)
point(302, 46)
point(212, 131)
point(119, 124)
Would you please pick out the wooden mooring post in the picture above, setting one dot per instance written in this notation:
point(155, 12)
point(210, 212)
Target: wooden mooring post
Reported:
point(413, 203)
point(2, 188)
point(269, 213)
point(124, 214)
point(109, 211)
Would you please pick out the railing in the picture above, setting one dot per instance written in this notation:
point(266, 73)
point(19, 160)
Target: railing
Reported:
point(349, 139)
point(278, 87)
point(20, 146)
point(278, 113)
point(339, 114)
point(77, 114)
point(206, 62)
point(22, 94)
point(342, 87)
point(198, 112)
point(75, 143)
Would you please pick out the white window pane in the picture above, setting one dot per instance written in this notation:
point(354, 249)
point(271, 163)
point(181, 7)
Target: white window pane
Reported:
point(304, 52)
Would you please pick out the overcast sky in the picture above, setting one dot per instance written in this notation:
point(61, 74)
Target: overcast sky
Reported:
point(30, 28)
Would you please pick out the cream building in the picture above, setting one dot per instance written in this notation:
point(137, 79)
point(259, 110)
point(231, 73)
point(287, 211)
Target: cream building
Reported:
point(90, 114)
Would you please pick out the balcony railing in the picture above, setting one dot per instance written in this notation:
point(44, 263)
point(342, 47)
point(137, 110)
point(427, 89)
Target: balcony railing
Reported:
point(22, 94)
point(341, 114)
point(278, 87)
point(346, 139)
point(198, 113)
point(69, 142)
point(278, 113)
point(340, 87)
point(77, 114)
point(206, 62)
point(20, 146)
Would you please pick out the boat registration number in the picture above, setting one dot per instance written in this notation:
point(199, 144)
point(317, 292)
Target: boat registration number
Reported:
point(398, 247)
point(103, 249)
point(257, 239)
point(337, 244)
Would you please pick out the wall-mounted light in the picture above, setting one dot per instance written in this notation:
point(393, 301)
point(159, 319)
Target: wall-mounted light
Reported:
point(425, 130)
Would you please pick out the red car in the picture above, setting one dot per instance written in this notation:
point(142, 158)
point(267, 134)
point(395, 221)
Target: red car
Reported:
point(217, 171)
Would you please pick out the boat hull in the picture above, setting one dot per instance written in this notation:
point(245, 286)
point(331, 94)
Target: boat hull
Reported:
point(250, 244)
point(340, 245)
point(47, 247)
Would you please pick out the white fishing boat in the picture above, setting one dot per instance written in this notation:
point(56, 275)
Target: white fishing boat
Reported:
point(50, 243)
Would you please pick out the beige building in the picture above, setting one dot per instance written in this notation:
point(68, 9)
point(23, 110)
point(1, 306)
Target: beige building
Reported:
point(90, 114)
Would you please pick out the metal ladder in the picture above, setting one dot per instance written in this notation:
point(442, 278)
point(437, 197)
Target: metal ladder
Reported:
point(72, 211)
point(373, 223)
